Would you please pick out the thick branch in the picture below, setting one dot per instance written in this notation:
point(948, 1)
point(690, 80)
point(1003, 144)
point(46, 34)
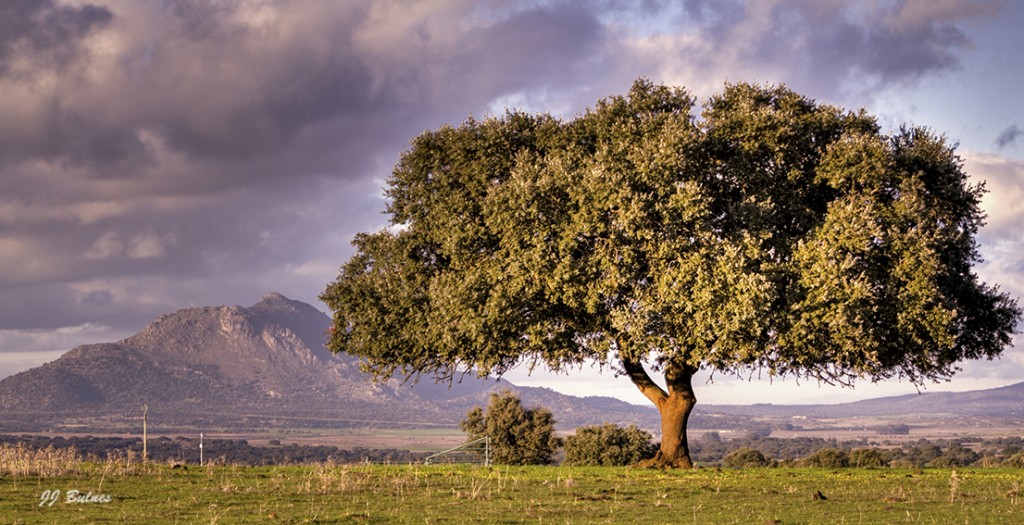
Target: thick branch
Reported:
point(643, 381)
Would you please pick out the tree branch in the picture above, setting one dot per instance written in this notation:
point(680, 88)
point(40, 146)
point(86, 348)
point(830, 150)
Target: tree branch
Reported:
point(643, 381)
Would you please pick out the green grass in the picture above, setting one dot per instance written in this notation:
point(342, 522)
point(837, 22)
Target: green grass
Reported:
point(475, 494)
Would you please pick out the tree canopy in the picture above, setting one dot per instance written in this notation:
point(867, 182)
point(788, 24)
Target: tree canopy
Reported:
point(770, 233)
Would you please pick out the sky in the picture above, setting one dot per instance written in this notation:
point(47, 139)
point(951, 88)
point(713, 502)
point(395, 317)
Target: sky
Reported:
point(159, 154)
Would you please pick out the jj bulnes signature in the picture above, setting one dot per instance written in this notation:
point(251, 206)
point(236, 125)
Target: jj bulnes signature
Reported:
point(49, 497)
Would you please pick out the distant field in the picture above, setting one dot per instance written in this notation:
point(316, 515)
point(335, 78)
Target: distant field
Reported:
point(160, 494)
point(933, 432)
point(416, 440)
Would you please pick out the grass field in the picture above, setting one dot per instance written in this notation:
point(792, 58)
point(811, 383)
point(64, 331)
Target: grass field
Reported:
point(128, 492)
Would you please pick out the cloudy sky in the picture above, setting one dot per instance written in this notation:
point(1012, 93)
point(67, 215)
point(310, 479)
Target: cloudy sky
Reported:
point(158, 154)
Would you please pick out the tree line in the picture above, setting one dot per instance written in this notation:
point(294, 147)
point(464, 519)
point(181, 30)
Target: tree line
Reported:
point(607, 445)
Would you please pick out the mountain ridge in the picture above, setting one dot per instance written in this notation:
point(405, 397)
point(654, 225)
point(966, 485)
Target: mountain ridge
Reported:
point(262, 365)
point(1003, 401)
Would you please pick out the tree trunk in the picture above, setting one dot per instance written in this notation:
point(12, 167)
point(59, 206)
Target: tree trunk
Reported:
point(674, 406)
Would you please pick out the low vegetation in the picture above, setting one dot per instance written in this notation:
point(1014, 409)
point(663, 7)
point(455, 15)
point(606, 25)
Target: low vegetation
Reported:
point(58, 487)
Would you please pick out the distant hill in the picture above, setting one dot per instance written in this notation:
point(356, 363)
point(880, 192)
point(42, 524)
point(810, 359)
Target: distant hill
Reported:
point(265, 366)
point(246, 368)
point(1003, 402)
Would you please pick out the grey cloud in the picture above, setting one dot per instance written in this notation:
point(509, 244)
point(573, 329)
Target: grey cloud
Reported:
point(832, 47)
point(898, 54)
point(852, 50)
point(545, 46)
point(43, 27)
point(714, 12)
point(52, 306)
point(1008, 136)
point(163, 154)
point(215, 89)
point(911, 13)
point(98, 298)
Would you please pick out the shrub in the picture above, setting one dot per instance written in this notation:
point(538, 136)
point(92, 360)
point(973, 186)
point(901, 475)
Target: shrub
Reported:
point(988, 461)
point(869, 458)
point(1016, 460)
point(745, 457)
point(519, 436)
point(828, 458)
point(608, 445)
point(897, 429)
point(955, 456)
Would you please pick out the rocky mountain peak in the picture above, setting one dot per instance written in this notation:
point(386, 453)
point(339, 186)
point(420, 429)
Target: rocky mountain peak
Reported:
point(233, 366)
point(277, 303)
point(307, 323)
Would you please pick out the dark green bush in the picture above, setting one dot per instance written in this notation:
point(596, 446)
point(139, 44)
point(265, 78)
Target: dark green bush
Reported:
point(869, 458)
point(519, 436)
point(1016, 460)
point(828, 458)
point(745, 457)
point(608, 445)
point(955, 456)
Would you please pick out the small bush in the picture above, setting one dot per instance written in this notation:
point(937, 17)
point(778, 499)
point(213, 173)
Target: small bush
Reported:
point(519, 436)
point(828, 458)
point(987, 461)
point(955, 456)
point(898, 429)
point(869, 458)
point(608, 445)
point(745, 457)
point(1016, 460)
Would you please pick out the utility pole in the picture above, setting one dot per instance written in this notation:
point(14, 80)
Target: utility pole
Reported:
point(145, 417)
point(200, 449)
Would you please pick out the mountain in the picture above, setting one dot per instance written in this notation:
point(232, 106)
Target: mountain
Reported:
point(256, 367)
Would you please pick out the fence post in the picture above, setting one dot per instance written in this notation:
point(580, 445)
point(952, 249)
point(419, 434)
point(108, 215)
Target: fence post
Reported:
point(145, 417)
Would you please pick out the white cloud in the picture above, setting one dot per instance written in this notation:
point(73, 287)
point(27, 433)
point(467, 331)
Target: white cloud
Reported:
point(107, 246)
point(148, 245)
point(1004, 201)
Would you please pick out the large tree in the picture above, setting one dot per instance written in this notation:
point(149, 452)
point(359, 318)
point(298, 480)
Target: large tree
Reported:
point(772, 233)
